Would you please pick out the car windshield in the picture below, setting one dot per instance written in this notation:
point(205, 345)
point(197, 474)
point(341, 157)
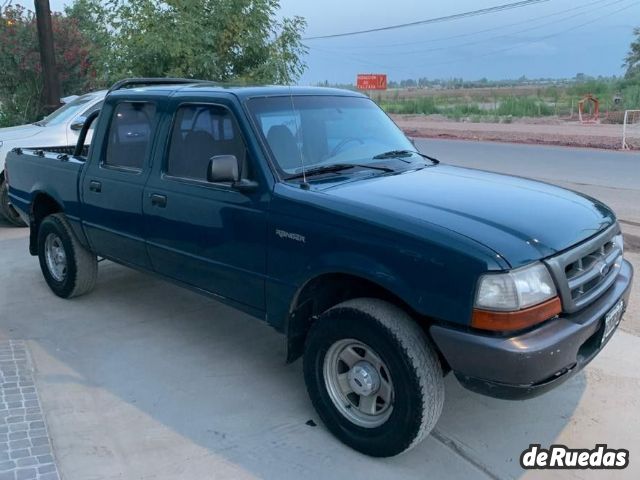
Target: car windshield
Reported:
point(325, 130)
point(67, 112)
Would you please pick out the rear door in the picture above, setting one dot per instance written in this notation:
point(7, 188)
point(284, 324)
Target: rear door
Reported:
point(207, 235)
point(113, 184)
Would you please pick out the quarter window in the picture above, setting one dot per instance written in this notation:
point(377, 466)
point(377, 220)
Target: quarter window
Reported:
point(129, 138)
point(199, 133)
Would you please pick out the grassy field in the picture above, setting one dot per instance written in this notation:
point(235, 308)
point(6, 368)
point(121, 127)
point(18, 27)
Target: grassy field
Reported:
point(503, 104)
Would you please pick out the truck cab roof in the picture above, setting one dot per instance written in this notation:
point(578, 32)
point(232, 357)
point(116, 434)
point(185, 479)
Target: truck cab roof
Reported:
point(242, 92)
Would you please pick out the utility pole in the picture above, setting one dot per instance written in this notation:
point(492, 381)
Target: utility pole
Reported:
point(51, 91)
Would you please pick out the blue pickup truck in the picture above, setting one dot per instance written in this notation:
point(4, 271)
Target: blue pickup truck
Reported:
point(309, 209)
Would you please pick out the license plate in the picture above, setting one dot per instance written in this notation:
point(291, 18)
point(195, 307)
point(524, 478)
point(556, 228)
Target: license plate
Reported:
point(612, 319)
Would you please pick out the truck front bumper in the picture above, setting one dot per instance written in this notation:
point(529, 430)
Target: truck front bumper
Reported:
point(528, 364)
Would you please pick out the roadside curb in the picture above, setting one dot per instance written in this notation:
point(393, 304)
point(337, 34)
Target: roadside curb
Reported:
point(631, 235)
point(610, 144)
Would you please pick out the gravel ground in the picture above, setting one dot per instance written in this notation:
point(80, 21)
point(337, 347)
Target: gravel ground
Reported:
point(550, 132)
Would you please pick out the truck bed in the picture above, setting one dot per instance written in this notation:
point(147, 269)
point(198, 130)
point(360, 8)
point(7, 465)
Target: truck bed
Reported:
point(33, 172)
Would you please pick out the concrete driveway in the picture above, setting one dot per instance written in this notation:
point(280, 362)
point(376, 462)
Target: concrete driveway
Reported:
point(144, 380)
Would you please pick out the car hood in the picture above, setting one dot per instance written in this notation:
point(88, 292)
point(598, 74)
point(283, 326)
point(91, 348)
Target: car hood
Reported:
point(20, 132)
point(521, 220)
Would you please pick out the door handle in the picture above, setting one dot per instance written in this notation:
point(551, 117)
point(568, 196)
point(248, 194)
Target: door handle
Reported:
point(95, 186)
point(158, 200)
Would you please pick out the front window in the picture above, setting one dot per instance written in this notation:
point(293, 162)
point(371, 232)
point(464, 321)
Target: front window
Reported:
point(315, 131)
point(67, 112)
point(199, 133)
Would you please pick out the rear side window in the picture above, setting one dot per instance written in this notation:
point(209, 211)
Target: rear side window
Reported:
point(129, 138)
point(199, 133)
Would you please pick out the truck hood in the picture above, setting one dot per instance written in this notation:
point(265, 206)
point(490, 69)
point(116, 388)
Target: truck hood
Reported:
point(20, 132)
point(521, 220)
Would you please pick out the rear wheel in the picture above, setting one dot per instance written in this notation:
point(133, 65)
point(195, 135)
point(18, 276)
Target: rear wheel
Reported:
point(69, 269)
point(373, 377)
point(6, 210)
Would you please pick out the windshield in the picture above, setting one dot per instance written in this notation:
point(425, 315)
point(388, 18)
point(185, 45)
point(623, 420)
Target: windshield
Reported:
point(67, 112)
point(324, 130)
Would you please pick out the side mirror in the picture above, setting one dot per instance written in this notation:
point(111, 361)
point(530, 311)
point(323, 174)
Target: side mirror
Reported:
point(223, 168)
point(78, 123)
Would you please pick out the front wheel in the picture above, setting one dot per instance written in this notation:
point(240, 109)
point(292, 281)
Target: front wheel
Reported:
point(69, 269)
point(373, 377)
point(6, 210)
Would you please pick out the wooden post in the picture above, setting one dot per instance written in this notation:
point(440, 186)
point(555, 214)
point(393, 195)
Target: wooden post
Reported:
point(51, 90)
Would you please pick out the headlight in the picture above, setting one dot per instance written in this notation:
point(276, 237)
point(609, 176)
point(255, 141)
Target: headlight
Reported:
point(515, 290)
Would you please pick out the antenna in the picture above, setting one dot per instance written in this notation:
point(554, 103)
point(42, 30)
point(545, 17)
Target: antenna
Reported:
point(304, 185)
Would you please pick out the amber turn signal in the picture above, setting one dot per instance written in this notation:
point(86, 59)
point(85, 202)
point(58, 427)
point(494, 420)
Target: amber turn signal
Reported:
point(506, 321)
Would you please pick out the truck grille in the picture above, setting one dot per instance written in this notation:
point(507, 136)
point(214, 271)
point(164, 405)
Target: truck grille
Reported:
point(583, 273)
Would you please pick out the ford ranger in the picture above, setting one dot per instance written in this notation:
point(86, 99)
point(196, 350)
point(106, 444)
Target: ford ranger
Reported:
point(309, 209)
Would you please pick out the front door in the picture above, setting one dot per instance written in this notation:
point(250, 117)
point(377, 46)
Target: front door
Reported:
point(113, 185)
point(208, 235)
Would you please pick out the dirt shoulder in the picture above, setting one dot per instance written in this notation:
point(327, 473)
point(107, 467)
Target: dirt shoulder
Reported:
point(547, 131)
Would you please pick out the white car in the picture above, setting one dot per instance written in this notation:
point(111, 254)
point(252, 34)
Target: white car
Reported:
point(56, 132)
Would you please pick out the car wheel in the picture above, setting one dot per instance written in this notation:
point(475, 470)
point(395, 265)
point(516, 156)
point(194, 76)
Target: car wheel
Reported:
point(373, 376)
point(69, 269)
point(6, 210)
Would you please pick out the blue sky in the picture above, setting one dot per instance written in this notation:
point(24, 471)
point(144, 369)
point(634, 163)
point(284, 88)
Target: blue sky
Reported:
point(556, 38)
point(544, 43)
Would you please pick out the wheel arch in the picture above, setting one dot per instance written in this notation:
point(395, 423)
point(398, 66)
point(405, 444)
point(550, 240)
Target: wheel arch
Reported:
point(327, 289)
point(42, 206)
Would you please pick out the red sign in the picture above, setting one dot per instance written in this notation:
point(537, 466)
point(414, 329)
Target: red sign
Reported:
point(372, 81)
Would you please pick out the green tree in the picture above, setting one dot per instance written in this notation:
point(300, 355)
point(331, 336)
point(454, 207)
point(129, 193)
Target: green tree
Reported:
point(90, 19)
point(222, 40)
point(632, 60)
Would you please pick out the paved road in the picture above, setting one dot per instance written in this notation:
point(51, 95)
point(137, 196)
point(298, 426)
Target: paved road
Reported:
point(613, 177)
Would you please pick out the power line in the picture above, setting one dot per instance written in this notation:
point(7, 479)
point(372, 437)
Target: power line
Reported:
point(447, 18)
point(493, 52)
point(495, 37)
point(477, 32)
point(544, 37)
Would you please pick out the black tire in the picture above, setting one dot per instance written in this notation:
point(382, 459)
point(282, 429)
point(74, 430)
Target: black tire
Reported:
point(6, 210)
point(412, 362)
point(81, 265)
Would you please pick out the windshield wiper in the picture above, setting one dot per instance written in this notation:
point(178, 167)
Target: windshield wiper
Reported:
point(404, 153)
point(337, 167)
point(39, 123)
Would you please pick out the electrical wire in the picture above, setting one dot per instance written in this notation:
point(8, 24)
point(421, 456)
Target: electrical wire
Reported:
point(446, 18)
point(488, 39)
point(545, 37)
point(490, 53)
point(477, 32)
